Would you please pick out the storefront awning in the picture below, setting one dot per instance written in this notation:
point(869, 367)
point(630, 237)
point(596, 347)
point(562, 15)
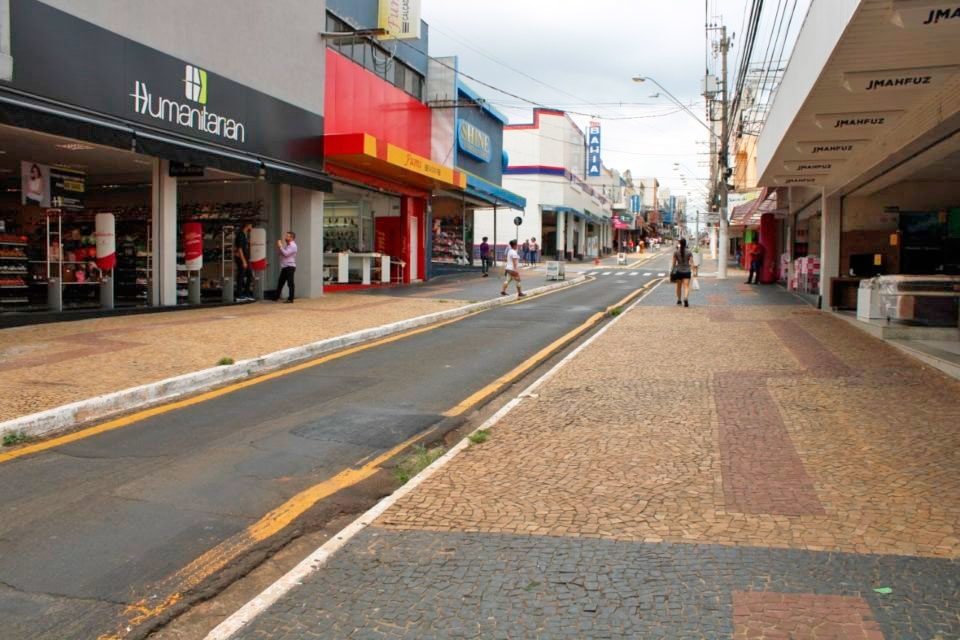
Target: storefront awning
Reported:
point(366, 154)
point(749, 213)
point(493, 194)
point(577, 213)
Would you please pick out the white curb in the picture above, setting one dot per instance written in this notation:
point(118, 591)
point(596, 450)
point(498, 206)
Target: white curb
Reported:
point(68, 415)
point(318, 558)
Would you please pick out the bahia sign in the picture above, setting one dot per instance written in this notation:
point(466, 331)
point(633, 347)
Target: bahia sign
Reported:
point(593, 149)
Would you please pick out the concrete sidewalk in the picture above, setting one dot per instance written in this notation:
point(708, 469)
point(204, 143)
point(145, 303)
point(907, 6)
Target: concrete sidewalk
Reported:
point(759, 470)
point(54, 364)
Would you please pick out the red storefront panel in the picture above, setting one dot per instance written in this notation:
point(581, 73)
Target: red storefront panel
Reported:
point(358, 101)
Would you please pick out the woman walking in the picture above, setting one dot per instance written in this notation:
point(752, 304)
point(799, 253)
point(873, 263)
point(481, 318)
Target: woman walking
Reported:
point(681, 272)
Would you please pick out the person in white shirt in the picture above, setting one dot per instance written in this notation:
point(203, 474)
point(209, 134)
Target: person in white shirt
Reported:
point(512, 271)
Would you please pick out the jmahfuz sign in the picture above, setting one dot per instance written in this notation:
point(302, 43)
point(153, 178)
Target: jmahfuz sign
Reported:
point(61, 57)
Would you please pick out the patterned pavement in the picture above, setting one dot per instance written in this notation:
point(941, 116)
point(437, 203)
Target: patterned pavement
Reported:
point(744, 468)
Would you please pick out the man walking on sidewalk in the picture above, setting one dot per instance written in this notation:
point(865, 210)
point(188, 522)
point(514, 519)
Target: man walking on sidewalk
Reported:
point(756, 264)
point(288, 263)
point(485, 257)
point(512, 270)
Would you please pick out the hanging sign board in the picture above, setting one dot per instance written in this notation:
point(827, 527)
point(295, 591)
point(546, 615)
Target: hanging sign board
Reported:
point(106, 236)
point(182, 170)
point(400, 19)
point(858, 121)
point(518, 221)
point(193, 245)
point(258, 249)
point(923, 14)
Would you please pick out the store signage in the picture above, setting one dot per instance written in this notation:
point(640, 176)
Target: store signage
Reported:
point(103, 72)
point(400, 19)
point(419, 164)
point(798, 180)
point(182, 170)
point(824, 148)
point(106, 237)
point(860, 120)
point(593, 149)
point(635, 204)
point(258, 249)
point(45, 186)
point(474, 142)
point(193, 245)
point(811, 166)
point(897, 80)
point(921, 14)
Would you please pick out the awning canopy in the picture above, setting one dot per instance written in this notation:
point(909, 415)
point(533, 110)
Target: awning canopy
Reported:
point(366, 154)
point(578, 213)
point(748, 214)
point(494, 194)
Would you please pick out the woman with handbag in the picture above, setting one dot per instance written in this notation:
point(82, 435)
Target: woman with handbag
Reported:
point(681, 272)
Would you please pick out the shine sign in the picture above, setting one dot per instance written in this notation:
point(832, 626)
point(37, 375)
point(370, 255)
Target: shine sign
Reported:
point(474, 142)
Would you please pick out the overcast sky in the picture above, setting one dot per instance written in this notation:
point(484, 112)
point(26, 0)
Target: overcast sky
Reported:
point(580, 55)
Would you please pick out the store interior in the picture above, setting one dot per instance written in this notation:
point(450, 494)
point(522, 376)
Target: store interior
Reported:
point(358, 220)
point(40, 244)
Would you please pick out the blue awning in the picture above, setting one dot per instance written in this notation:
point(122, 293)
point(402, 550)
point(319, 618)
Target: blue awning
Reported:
point(495, 195)
point(577, 213)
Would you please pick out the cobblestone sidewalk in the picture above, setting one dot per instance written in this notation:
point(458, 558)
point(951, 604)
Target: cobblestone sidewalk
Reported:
point(51, 365)
point(744, 468)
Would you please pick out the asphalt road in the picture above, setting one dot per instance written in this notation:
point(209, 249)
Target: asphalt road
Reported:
point(109, 529)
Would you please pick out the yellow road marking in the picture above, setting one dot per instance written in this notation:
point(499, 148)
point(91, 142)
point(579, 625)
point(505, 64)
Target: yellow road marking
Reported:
point(537, 358)
point(209, 395)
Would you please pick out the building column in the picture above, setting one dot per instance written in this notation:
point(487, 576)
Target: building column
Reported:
point(561, 235)
point(306, 220)
point(571, 220)
point(713, 242)
point(832, 216)
point(582, 228)
point(163, 293)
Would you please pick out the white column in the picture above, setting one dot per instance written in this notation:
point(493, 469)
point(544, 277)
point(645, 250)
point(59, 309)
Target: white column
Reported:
point(713, 242)
point(570, 222)
point(307, 222)
point(830, 226)
point(582, 228)
point(164, 232)
point(561, 233)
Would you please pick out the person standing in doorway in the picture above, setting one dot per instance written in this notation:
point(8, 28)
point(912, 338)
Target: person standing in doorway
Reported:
point(681, 272)
point(288, 264)
point(534, 251)
point(241, 259)
point(485, 257)
point(756, 264)
point(512, 271)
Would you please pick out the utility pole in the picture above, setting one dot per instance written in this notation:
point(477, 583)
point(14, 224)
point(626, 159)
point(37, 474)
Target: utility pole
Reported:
point(724, 155)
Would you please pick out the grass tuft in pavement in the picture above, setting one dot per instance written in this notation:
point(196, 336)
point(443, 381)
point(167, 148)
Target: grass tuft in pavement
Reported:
point(14, 438)
point(223, 362)
point(613, 313)
point(417, 461)
point(479, 437)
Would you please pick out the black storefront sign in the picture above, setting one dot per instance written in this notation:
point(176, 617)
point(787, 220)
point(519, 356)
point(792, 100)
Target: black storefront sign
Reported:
point(60, 57)
point(183, 170)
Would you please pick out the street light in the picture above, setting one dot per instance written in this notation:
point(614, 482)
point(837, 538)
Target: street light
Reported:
point(642, 79)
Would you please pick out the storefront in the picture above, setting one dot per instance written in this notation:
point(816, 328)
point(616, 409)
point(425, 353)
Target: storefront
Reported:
point(128, 177)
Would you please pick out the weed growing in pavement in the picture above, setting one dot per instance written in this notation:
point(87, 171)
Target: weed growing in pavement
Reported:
point(420, 459)
point(479, 437)
point(14, 438)
point(222, 362)
point(613, 313)
point(533, 585)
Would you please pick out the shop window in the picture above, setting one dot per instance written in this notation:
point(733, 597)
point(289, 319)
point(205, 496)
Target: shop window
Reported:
point(341, 227)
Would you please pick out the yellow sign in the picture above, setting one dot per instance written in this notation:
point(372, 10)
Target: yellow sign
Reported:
point(878, 259)
point(894, 239)
point(419, 164)
point(400, 19)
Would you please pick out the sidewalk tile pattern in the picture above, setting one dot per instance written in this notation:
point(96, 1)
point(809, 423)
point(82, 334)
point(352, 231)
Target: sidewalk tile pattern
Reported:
point(420, 584)
point(767, 615)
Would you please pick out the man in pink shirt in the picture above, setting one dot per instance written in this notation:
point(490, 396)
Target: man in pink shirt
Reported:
point(288, 263)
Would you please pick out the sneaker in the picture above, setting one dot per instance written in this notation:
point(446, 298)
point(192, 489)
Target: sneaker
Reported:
point(686, 303)
point(679, 302)
point(521, 295)
point(503, 293)
point(288, 301)
point(486, 275)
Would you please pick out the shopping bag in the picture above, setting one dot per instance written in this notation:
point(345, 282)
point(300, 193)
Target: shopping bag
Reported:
point(695, 284)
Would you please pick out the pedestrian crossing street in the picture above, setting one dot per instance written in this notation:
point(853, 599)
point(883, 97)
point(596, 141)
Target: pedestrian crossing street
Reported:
point(660, 274)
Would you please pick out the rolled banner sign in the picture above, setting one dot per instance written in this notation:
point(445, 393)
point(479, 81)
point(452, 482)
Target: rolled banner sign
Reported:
point(258, 249)
point(106, 240)
point(193, 245)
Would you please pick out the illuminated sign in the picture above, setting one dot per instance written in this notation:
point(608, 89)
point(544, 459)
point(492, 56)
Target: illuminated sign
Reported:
point(474, 142)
